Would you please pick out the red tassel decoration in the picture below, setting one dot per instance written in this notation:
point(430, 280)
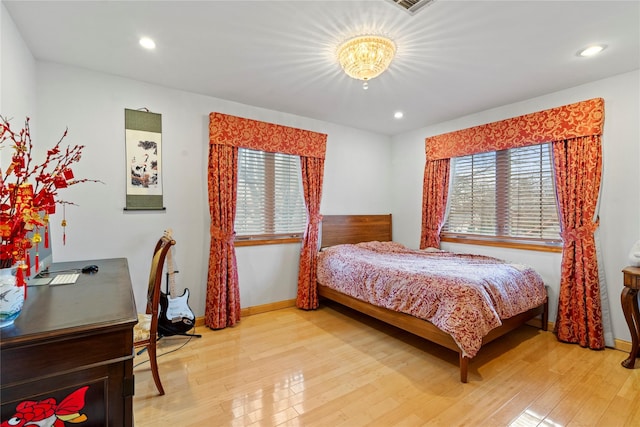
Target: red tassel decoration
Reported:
point(46, 231)
point(28, 262)
point(21, 282)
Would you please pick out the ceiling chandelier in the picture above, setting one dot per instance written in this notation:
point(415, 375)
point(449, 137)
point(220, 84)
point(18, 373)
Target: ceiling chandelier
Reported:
point(366, 57)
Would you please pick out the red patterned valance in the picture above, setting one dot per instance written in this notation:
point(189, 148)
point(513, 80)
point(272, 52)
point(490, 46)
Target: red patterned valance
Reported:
point(570, 121)
point(240, 132)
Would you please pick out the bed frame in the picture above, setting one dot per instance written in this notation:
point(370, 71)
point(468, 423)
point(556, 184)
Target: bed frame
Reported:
point(340, 229)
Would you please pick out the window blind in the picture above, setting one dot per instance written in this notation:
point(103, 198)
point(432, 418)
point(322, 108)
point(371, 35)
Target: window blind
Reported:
point(269, 196)
point(508, 194)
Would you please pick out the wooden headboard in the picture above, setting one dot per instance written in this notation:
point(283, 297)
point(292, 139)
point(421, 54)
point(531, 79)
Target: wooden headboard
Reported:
point(341, 229)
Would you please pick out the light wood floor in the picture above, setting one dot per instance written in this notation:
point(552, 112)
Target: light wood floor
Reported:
point(333, 367)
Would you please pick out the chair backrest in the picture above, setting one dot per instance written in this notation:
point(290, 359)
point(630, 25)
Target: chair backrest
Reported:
point(155, 276)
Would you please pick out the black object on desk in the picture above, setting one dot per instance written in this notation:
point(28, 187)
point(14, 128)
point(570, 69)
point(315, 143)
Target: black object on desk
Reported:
point(90, 269)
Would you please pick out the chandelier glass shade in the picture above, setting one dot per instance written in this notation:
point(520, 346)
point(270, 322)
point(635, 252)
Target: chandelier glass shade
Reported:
point(366, 57)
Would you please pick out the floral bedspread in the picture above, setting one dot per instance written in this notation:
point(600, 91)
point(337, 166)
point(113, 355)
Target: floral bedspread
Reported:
point(463, 295)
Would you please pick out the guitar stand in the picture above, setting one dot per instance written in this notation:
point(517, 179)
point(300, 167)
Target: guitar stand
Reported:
point(181, 334)
point(143, 349)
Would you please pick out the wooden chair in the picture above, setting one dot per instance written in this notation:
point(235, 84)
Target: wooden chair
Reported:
point(145, 333)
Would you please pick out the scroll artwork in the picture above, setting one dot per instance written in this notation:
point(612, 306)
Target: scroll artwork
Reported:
point(143, 140)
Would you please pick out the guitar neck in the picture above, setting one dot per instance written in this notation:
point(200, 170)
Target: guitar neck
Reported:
point(171, 274)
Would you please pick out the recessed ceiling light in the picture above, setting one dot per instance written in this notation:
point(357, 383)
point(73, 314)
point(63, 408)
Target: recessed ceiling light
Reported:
point(592, 50)
point(147, 43)
point(398, 114)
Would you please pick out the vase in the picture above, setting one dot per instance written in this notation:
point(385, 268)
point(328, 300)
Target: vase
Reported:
point(11, 296)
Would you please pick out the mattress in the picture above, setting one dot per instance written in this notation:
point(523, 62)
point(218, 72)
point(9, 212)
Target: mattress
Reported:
point(464, 295)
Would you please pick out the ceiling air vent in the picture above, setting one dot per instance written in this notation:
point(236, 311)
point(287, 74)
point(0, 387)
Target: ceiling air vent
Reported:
point(412, 6)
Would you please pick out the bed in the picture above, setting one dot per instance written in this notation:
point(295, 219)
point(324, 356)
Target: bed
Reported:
point(357, 254)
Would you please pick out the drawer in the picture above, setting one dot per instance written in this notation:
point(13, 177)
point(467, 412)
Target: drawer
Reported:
point(631, 280)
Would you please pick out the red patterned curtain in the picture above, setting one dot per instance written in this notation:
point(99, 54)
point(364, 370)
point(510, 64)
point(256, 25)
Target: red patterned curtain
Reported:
point(556, 124)
point(312, 173)
point(226, 134)
point(222, 306)
point(575, 131)
point(434, 201)
point(578, 171)
point(256, 135)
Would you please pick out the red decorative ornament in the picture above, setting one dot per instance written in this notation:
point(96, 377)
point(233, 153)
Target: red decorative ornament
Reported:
point(36, 239)
point(28, 192)
point(20, 280)
point(28, 264)
point(46, 230)
point(60, 182)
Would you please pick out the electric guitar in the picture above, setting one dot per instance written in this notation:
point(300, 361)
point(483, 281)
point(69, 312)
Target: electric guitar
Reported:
point(176, 317)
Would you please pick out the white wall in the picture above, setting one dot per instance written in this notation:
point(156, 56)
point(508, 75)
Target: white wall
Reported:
point(17, 73)
point(620, 197)
point(92, 106)
point(364, 173)
point(18, 89)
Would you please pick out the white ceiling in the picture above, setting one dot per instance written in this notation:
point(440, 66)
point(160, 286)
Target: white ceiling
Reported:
point(454, 57)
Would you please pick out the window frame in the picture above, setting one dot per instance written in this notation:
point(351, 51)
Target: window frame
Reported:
point(501, 191)
point(269, 238)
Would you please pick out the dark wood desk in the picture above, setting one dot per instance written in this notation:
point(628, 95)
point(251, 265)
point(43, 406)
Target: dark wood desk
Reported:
point(72, 336)
point(629, 299)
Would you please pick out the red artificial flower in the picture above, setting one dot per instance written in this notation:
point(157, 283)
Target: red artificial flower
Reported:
point(25, 206)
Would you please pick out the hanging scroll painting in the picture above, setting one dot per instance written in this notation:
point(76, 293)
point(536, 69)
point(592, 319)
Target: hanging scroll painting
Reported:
point(143, 141)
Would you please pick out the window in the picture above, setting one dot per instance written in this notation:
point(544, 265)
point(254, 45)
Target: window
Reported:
point(270, 204)
point(506, 196)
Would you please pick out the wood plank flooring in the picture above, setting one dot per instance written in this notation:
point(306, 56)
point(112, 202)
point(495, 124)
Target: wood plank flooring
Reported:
point(334, 367)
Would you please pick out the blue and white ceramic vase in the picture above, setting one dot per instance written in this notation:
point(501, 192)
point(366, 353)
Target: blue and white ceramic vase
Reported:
point(11, 296)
